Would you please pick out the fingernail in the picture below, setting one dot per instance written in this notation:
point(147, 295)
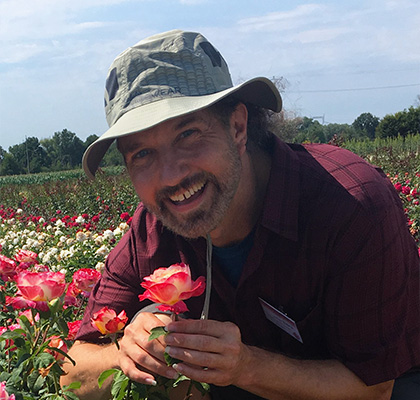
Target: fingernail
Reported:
point(167, 349)
point(177, 368)
point(165, 329)
point(150, 381)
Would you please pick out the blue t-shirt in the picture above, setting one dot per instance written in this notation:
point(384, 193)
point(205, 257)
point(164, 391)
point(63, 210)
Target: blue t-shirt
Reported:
point(231, 259)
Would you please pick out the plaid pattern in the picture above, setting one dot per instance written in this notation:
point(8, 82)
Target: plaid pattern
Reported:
point(332, 250)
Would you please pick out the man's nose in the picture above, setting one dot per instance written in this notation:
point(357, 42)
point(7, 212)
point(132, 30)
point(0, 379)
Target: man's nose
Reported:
point(173, 169)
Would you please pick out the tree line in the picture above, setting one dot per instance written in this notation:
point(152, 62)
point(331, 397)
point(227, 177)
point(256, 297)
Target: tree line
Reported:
point(64, 150)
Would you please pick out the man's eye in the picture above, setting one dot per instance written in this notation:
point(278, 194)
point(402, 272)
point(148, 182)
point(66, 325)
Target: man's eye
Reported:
point(142, 153)
point(187, 133)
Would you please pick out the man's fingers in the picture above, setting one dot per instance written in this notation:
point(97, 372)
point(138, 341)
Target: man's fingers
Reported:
point(201, 326)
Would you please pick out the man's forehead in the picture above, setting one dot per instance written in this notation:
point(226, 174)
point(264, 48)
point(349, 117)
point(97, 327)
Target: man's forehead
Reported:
point(172, 125)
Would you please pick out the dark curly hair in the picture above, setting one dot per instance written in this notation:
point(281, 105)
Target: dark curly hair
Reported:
point(258, 120)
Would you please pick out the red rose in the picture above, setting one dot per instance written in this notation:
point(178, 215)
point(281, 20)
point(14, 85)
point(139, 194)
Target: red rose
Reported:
point(107, 321)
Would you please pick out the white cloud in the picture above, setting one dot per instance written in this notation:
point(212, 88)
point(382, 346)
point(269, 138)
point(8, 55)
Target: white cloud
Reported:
point(279, 21)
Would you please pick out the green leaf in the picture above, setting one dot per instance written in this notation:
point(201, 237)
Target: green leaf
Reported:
point(119, 385)
point(62, 324)
point(72, 386)
point(180, 379)
point(157, 332)
point(43, 360)
point(70, 396)
point(202, 387)
point(106, 374)
point(19, 342)
point(12, 334)
point(170, 360)
point(25, 324)
point(138, 390)
point(39, 383)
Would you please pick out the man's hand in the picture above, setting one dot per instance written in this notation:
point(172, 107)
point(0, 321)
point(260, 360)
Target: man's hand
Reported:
point(212, 351)
point(139, 358)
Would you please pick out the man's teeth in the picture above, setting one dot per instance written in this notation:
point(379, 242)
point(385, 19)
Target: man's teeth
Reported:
point(188, 193)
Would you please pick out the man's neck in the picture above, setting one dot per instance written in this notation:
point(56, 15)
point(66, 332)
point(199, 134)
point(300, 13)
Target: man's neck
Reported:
point(247, 205)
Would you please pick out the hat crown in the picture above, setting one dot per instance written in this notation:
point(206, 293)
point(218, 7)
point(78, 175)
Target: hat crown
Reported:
point(167, 65)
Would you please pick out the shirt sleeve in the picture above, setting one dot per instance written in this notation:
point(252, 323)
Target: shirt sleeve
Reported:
point(372, 295)
point(118, 288)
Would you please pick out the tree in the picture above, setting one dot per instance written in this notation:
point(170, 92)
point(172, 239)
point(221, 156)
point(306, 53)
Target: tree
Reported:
point(365, 124)
point(9, 165)
point(30, 155)
point(66, 150)
point(402, 123)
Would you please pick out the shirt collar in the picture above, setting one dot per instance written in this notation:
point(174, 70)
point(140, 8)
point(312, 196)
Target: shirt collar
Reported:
point(281, 204)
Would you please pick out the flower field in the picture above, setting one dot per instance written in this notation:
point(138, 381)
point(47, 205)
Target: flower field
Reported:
point(55, 235)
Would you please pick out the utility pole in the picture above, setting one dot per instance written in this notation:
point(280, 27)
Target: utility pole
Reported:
point(321, 117)
point(27, 155)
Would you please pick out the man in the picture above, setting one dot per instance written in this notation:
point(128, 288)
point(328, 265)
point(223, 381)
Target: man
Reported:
point(315, 277)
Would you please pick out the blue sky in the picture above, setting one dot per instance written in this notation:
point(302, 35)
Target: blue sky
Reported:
point(339, 58)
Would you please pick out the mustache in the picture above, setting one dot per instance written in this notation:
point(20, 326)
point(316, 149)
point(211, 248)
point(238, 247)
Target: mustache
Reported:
point(185, 184)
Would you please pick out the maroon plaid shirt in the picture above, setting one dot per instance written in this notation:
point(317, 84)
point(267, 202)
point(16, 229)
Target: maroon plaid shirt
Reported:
point(332, 250)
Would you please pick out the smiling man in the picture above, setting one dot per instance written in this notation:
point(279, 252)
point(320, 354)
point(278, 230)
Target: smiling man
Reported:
point(314, 277)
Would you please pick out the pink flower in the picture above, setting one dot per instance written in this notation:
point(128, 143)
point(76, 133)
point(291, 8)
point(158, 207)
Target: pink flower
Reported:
point(58, 343)
point(170, 286)
point(74, 327)
point(3, 393)
point(28, 314)
point(85, 279)
point(26, 256)
point(7, 267)
point(41, 286)
point(19, 302)
point(108, 322)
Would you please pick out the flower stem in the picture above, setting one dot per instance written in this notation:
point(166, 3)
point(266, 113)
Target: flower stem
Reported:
point(188, 394)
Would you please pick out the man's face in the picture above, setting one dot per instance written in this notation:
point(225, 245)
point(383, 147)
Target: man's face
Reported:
point(186, 171)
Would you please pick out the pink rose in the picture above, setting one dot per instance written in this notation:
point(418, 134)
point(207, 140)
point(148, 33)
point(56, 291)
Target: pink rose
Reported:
point(19, 302)
point(26, 256)
point(74, 327)
point(58, 343)
point(7, 267)
point(108, 322)
point(3, 393)
point(85, 279)
point(170, 286)
point(41, 286)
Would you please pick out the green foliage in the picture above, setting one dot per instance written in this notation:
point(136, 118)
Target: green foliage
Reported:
point(402, 123)
point(63, 151)
point(393, 155)
point(365, 124)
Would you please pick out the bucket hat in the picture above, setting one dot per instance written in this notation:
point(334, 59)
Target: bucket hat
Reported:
point(165, 76)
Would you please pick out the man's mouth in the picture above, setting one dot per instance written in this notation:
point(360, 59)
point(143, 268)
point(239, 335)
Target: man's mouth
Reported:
point(187, 193)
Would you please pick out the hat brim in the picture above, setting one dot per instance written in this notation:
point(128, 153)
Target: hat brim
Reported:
point(259, 91)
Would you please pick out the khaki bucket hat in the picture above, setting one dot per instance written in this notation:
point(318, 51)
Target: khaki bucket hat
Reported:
point(166, 76)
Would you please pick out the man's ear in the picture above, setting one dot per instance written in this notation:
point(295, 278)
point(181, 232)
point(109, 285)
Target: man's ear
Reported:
point(238, 124)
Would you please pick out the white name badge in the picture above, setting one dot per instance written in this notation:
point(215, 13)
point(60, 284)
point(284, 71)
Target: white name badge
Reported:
point(281, 320)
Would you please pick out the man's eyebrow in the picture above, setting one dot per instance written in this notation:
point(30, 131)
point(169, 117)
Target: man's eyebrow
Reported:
point(129, 148)
point(188, 120)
